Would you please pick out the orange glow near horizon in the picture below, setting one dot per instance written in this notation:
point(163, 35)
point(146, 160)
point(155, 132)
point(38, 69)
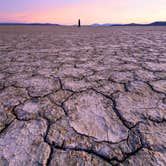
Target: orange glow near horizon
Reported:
point(94, 11)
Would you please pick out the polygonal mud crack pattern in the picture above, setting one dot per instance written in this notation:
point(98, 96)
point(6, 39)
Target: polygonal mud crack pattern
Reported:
point(22, 144)
point(64, 137)
point(12, 96)
point(92, 114)
point(140, 103)
point(34, 108)
point(39, 85)
point(147, 158)
point(69, 158)
point(82, 96)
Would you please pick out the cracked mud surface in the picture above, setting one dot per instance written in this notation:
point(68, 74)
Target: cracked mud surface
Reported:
point(82, 96)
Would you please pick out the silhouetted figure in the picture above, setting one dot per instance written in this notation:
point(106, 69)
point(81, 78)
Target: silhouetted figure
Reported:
point(79, 23)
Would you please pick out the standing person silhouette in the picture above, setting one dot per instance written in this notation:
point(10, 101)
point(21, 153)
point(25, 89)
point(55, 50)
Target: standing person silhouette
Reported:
point(79, 23)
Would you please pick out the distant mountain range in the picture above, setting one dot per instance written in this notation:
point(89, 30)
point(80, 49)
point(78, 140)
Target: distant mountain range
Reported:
point(31, 24)
point(157, 23)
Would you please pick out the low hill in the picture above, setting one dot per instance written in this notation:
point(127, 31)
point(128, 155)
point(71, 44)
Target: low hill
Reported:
point(157, 23)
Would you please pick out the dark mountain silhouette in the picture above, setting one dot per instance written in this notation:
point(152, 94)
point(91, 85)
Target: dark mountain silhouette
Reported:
point(157, 23)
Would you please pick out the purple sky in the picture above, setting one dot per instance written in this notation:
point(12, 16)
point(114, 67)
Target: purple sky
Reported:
point(90, 11)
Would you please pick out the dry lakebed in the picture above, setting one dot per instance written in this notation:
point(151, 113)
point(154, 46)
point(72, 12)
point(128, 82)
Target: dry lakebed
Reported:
point(89, 96)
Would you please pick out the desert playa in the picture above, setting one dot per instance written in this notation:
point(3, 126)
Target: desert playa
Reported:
point(89, 96)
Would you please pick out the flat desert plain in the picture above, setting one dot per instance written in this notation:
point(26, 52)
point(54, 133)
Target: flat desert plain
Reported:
point(89, 96)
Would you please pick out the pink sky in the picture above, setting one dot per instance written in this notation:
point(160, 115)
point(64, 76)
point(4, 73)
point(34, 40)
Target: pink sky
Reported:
point(89, 11)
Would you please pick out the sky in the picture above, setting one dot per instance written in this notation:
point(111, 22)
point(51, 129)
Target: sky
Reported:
point(89, 11)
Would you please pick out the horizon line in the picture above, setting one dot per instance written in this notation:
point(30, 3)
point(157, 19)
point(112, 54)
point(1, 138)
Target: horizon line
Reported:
point(13, 22)
point(50, 23)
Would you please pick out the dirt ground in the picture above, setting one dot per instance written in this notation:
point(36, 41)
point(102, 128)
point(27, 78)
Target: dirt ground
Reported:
point(90, 96)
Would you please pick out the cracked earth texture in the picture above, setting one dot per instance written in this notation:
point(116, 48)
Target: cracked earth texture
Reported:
point(82, 96)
